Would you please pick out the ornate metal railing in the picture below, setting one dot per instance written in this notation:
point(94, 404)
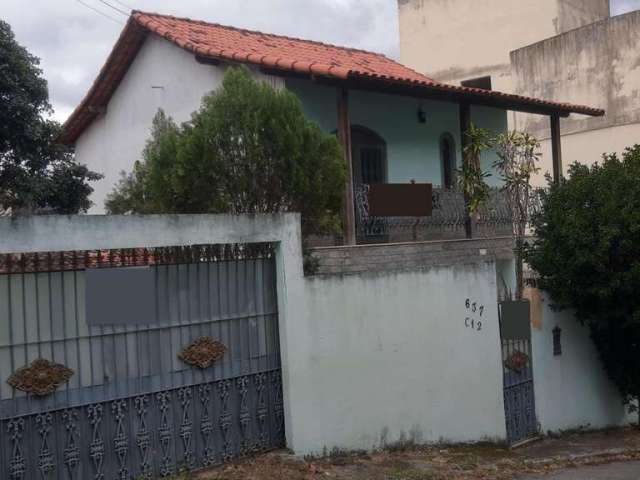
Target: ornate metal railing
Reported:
point(447, 220)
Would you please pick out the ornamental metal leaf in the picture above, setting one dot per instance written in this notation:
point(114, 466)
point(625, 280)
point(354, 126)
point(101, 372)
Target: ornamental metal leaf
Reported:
point(517, 361)
point(41, 378)
point(203, 352)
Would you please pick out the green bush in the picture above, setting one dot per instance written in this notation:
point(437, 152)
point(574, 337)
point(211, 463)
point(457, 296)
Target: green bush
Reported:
point(587, 254)
point(249, 149)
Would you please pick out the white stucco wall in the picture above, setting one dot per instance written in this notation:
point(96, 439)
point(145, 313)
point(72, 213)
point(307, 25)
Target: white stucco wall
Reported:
point(382, 358)
point(161, 76)
point(587, 147)
point(572, 390)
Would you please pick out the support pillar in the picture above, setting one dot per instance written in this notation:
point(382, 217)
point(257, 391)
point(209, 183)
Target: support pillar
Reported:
point(556, 148)
point(465, 125)
point(344, 135)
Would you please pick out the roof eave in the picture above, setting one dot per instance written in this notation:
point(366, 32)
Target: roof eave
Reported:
point(135, 31)
point(115, 67)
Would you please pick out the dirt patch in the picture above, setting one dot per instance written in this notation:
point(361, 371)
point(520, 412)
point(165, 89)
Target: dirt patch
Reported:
point(473, 462)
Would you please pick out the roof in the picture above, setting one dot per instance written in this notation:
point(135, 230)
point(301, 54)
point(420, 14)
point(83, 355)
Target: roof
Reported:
point(284, 55)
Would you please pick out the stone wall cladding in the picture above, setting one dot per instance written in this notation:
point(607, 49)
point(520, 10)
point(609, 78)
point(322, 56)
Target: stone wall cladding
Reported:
point(409, 256)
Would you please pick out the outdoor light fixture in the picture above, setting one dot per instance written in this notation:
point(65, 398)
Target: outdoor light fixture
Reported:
point(422, 115)
point(557, 341)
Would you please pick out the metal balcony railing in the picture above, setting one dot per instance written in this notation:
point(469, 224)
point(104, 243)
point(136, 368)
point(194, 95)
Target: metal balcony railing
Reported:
point(446, 222)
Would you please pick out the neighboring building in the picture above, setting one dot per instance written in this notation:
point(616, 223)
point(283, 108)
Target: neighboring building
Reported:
point(598, 64)
point(404, 122)
point(544, 48)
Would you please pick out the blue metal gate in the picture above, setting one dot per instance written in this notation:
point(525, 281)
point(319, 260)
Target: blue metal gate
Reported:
point(198, 385)
point(517, 367)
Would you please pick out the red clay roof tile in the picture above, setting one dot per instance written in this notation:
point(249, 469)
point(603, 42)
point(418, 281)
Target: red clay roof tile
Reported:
point(284, 54)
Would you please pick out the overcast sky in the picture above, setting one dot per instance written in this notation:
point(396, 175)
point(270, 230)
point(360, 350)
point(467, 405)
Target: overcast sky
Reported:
point(73, 40)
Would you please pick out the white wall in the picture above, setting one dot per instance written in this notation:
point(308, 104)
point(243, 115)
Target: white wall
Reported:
point(373, 358)
point(367, 359)
point(587, 147)
point(572, 390)
point(161, 76)
point(381, 358)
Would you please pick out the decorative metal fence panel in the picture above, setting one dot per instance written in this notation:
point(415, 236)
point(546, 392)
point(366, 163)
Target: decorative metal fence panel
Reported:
point(517, 365)
point(519, 398)
point(447, 219)
point(134, 406)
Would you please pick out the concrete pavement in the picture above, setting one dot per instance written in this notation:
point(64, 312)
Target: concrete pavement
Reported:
point(613, 471)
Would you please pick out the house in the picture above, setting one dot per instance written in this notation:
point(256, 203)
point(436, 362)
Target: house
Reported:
point(397, 125)
point(544, 48)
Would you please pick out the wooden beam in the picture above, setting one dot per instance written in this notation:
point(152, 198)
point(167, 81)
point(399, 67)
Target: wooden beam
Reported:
point(465, 125)
point(344, 135)
point(556, 148)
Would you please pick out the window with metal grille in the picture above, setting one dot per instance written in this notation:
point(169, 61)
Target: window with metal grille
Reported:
point(371, 163)
point(369, 153)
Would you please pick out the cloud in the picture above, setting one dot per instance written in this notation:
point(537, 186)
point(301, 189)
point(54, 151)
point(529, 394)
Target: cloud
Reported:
point(73, 41)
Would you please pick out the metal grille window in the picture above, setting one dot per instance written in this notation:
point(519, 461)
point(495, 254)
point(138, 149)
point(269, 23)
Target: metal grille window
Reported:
point(557, 341)
point(372, 159)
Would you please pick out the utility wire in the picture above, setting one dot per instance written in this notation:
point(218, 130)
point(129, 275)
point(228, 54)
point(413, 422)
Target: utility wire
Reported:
point(122, 4)
point(99, 12)
point(114, 8)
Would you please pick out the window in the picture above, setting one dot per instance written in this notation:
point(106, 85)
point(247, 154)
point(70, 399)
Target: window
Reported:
point(369, 156)
point(481, 82)
point(447, 160)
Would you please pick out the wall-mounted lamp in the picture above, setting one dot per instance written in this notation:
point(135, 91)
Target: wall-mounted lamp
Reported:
point(422, 115)
point(557, 341)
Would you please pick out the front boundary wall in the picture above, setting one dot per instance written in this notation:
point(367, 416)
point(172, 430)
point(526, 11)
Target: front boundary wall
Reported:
point(384, 345)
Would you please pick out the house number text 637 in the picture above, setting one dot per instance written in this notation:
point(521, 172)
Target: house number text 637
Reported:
point(473, 320)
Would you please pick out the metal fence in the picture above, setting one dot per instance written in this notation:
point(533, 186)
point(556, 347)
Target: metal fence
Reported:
point(446, 222)
point(132, 407)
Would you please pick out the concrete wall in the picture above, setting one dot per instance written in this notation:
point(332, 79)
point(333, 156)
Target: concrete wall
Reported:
point(587, 147)
point(368, 359)
point(572, 390)
point(380, 355)
point(398, 363)
point(400, 257)
point(594, 65)
point(572, 14)
point(454, 40)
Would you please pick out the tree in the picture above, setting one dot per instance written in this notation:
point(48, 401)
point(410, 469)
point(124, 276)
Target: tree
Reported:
point(470, 178)
point(248, 149)
point(587, 255)
point(518, 155)
point(35, 173)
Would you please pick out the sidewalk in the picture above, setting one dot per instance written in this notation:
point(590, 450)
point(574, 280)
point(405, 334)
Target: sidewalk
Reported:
point(472, 462)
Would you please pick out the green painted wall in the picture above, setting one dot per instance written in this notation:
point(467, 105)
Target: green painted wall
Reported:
point(494, 120)
point(412, 147)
